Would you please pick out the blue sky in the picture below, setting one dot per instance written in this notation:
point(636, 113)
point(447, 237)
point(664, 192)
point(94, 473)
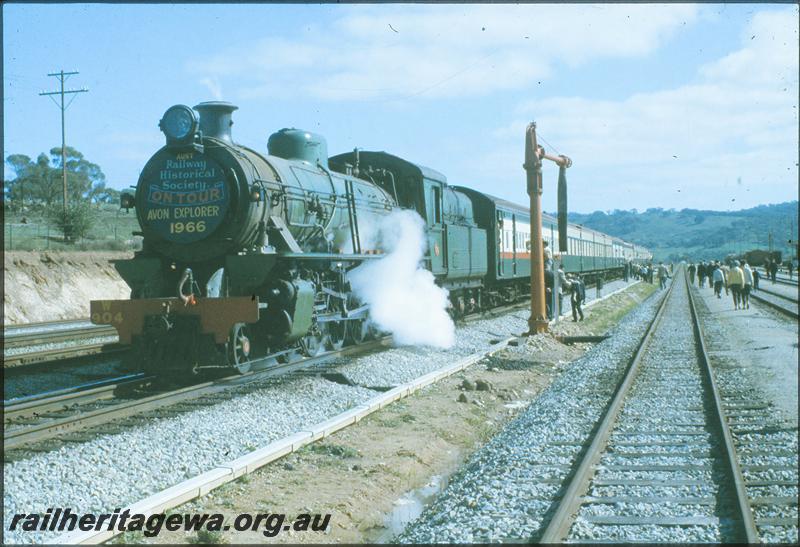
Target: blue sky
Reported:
point(658, 105)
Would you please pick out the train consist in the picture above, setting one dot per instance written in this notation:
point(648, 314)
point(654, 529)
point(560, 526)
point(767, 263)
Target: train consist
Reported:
point(246, 255)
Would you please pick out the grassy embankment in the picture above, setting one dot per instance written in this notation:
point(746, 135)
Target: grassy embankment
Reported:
point(112, 230)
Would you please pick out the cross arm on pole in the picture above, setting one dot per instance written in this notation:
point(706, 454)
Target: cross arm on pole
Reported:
point(81, 90)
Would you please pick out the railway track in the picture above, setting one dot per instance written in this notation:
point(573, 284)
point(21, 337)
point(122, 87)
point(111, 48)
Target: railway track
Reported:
point(786, 280)
point(664, 455)
point(41, 419)
point(782, 303)
point(781, 295)
point(38, 343)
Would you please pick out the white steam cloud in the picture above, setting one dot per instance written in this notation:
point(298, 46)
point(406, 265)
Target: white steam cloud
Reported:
point(214, 87)
point(402, 295)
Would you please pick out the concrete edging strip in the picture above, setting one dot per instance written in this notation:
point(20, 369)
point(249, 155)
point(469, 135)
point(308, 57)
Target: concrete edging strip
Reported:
point(227, 472)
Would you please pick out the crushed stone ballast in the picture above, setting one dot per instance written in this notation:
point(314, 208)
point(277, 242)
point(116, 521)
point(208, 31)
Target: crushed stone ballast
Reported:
point(226, 472)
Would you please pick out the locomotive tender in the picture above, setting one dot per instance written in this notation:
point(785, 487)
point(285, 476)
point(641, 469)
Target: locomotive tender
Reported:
point(245, 255)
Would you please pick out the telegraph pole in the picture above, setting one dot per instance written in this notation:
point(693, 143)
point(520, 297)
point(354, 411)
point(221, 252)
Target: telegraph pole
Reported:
point(62, 77)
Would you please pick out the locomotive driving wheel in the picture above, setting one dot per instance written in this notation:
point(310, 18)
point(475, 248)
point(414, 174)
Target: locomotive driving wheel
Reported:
point(336, 331)
point(313, 343)
point(356, 330)
point(239, 348)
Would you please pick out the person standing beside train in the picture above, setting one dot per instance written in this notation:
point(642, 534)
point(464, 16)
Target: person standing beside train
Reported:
point(548, 280)
point(748, 284)
point(564, 285)
point(736, 283)
point(663, 274)
point(577, 297)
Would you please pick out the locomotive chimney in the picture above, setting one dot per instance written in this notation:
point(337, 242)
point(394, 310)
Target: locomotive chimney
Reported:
point(215, 119)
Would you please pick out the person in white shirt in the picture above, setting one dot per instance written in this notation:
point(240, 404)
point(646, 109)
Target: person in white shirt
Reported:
point(718, 277)
point(748, 284)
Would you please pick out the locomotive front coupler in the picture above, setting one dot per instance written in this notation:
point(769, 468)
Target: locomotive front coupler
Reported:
point(188, 277)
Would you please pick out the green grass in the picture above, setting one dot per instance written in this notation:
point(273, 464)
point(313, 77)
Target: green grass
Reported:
point(206, 537)
point(112, 231)
point(602, 322)
point(336, 450)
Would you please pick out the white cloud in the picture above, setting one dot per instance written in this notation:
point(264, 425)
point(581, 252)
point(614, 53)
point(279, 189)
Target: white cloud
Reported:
point(739, 119)
point(442, 51)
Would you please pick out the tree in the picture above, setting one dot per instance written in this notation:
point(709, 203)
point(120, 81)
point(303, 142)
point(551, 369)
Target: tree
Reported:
point(40, 181)
point(82, 175)
point(21, 165)
point(100, 193)
point(75, 223)
point(46, 181)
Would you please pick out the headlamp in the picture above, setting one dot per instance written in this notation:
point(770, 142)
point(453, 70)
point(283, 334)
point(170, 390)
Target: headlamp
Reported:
point(179, 123)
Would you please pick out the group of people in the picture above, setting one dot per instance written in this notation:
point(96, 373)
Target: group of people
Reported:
point(738, 279)
point(571, 284)
point(647, 272)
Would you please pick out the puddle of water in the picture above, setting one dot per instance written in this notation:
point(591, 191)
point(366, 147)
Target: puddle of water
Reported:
point(410, 506)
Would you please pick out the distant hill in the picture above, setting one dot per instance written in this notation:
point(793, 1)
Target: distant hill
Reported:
point(698, 235)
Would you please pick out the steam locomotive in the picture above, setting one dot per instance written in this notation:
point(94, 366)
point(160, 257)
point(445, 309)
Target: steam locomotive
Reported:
point(245, 256)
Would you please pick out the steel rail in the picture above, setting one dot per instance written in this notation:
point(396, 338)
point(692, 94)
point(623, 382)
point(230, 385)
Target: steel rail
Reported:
point(8, 330)
point(779, 295)
point(558, 527)
point(60, 354)
point(774, 305)
point(731, 459)
point(37, 338)
point(36, 335)
point(18, 437)
point(41, 403)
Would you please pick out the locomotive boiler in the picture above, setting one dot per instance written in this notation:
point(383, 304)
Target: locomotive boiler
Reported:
point(243, 253)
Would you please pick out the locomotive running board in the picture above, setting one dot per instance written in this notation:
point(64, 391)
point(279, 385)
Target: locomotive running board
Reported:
point(217, 315)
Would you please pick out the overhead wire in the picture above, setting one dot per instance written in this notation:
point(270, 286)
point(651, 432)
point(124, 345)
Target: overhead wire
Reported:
point(540, 136)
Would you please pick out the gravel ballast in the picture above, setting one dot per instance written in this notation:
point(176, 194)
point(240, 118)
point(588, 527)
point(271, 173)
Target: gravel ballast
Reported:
point(113, 471)
point(505, 488)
